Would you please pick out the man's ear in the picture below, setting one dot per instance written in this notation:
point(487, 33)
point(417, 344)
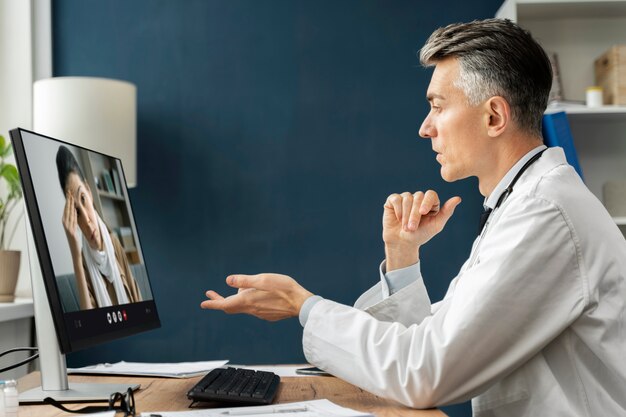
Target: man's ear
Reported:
point(498, 115)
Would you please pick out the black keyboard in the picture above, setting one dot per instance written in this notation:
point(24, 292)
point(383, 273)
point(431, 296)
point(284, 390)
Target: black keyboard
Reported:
point(237, 386)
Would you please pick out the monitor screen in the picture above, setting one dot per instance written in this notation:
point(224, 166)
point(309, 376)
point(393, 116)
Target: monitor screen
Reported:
point(86, 238)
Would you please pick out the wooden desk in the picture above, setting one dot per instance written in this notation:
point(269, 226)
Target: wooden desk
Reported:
point(167, 394)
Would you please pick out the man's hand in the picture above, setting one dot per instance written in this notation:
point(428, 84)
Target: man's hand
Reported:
point(409, 221)
point(266, 296)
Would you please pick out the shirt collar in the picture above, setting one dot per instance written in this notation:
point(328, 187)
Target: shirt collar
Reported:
point(492, 200)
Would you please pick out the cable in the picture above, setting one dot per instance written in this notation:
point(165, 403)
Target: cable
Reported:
point(25, 361)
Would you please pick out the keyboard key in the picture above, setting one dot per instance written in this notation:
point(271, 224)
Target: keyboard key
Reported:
point(236, 390)
point(208, 378)
point(250, 387)
point(225, 375)
point(263, 386)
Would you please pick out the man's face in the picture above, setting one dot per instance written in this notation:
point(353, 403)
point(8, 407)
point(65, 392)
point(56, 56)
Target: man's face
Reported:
point(454, 127)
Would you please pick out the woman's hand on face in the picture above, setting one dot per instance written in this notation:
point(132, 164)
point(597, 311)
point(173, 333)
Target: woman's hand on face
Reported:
point(70, 224)
point(266, 296)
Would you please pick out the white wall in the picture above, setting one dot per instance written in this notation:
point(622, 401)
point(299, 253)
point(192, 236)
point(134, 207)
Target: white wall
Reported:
point(16, 79)
point(25, 56)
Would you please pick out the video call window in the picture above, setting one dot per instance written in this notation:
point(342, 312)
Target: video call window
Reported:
point(83, 202)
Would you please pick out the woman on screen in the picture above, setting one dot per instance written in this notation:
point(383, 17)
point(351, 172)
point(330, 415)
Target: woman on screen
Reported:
point(103, 276)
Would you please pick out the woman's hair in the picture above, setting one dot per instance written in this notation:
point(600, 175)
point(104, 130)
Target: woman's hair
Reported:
point(66, 164)
point(496, 58)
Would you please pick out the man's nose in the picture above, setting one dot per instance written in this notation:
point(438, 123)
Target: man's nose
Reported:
point(427, 130)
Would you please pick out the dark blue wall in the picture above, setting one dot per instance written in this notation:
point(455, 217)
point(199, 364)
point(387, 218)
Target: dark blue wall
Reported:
point(269, 135)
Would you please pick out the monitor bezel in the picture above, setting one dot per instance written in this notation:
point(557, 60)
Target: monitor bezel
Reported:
point(66, 344)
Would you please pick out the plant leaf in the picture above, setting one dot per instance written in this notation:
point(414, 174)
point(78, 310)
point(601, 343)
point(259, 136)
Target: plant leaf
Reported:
point(12, 177)
point(9, 151)
point(5, 147)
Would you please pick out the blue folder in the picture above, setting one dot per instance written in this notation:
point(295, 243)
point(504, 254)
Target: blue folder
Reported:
point(556, 132)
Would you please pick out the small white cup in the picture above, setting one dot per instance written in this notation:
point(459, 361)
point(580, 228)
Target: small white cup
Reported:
point(594, 96)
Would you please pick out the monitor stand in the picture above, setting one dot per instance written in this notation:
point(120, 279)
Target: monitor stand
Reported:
point(54, 382)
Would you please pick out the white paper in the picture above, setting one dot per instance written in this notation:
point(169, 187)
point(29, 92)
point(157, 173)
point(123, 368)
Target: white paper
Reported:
point(280, 370)
point(313, 408)
point(172, 370)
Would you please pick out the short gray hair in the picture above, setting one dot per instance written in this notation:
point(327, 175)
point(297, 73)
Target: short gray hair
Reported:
point(496, 58)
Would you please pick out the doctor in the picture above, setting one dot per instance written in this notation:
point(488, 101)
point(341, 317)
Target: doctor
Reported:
point(534, 324)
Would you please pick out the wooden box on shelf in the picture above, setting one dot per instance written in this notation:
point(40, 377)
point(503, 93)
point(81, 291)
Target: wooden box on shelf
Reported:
point(610, 69)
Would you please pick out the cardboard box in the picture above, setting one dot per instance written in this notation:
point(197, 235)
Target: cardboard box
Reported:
point(610, 71)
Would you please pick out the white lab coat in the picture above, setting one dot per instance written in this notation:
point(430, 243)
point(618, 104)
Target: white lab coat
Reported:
point(534, 324)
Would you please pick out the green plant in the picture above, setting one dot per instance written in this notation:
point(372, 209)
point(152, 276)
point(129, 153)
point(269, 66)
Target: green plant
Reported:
point(8, 173)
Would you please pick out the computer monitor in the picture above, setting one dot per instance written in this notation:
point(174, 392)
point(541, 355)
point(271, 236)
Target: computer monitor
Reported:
point(90, 284)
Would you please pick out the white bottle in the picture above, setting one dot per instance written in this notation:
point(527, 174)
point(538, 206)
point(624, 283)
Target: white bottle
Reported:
point(2, 414)
point(10, 398)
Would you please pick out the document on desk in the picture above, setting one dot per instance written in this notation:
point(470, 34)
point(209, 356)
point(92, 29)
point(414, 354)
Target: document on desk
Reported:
point(280, 370)
point(169, 370)
point(313, 408)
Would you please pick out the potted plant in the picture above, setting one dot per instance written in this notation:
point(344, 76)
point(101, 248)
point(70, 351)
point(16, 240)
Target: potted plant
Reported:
point(10, 196)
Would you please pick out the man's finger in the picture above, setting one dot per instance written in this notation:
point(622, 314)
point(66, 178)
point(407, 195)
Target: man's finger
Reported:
point(217, 302)
point(394, 202)
point(407, 204)
point(415, 217)
point(448, 209)
point(259, 282)
point(213, 295)
point(240, 281)
point(430, 204)
point(213, 304)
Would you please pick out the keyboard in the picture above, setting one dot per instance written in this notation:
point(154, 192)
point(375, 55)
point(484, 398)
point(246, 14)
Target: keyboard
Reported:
point(236, 386)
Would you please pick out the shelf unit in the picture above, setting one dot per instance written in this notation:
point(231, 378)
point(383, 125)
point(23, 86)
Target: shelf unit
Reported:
point(604, 112)
point(106, 194)
point(579, 31)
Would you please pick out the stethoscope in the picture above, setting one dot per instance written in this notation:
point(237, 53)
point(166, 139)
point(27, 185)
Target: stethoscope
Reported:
point(485, 216)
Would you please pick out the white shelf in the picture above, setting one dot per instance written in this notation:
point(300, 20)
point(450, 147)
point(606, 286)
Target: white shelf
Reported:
point(603, 113)
point(620, 221)
point(621, 110)
point(539, 9)
point(110, 195)
point(21, 308)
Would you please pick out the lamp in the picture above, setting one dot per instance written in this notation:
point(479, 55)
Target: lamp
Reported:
point(95, 113)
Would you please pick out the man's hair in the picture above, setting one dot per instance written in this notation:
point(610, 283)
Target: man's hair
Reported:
point(496, 58)
point(66, 164)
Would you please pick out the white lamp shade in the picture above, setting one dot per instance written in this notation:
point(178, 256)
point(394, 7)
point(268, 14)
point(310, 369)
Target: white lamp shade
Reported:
point(96, 113)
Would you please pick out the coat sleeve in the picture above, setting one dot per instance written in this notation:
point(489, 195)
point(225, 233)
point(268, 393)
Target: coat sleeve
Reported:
point(409, 305)
point(525, 288)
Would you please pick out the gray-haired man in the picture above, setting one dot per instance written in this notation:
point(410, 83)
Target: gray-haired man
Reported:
point(534, 324)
